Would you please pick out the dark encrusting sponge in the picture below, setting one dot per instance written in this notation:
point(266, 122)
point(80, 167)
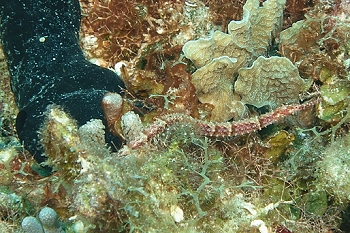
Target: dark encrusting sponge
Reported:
point(40, 41)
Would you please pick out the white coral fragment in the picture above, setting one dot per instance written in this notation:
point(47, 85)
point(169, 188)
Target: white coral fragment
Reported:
point(260, 225)
point(177, 213)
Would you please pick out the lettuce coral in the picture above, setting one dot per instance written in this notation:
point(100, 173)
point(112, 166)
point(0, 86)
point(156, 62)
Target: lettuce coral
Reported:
point(270, 81)
point(214, 84)
point(247, 38)
point(222, 57)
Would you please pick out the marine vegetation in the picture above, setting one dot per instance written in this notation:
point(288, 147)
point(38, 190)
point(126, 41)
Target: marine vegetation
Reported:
point(234, 118)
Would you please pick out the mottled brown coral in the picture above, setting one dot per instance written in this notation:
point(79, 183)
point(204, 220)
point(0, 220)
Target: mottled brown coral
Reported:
point(269, 82)
point(220, 56)
point(295, 11)
point(214, 85)
point(247, 38)
point(316, 44)
point(164, 83)
point(223, 11)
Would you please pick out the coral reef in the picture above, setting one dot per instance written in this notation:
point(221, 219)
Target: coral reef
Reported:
point(222, 57)
point(279, 166)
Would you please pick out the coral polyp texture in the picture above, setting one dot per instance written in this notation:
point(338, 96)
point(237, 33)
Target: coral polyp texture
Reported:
point(246, 39)
point(214, 85)
point(270, 82)
point(222, 57)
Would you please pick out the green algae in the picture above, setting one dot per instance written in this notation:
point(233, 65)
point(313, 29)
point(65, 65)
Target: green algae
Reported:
point(316, 203)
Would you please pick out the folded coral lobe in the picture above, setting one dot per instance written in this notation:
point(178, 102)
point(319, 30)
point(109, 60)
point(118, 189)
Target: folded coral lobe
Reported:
point(40, 41)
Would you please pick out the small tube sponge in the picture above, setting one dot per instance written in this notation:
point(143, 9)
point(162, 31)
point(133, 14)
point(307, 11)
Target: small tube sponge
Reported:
point(31, 225)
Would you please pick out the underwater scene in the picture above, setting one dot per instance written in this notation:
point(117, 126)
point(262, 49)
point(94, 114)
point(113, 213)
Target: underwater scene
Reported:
point(178, 116)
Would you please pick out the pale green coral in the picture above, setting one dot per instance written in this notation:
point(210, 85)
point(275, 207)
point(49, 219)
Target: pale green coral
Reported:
point(221, 57)
point(247, 38)
point(60, 139)
point(269, 81)
point(6, 157)
point(214, 84)
point(335, 96)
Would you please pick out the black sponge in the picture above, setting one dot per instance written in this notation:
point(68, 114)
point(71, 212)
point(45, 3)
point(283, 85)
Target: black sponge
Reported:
point(40, 41)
